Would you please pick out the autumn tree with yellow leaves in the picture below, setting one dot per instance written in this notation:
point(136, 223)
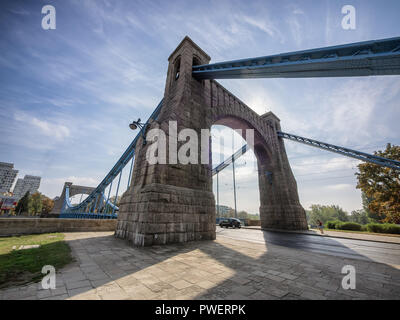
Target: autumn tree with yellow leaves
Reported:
point(381, 185)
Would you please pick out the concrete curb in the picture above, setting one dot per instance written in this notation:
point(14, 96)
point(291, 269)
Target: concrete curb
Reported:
point(320, 235)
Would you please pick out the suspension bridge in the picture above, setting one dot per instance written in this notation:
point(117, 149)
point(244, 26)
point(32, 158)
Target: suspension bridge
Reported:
point(175, 203)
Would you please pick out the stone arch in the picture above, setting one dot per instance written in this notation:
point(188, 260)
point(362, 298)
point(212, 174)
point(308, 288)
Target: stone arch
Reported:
point(174, 202)
point(73, 190)
point(279, 203)
point(177, 68)
point(196, 61)
point(262, 150)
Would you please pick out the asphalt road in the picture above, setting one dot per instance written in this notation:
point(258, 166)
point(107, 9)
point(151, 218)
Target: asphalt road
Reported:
point(355, 249)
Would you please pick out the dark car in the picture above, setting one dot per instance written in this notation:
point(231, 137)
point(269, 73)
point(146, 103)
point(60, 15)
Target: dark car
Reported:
point(230, 222)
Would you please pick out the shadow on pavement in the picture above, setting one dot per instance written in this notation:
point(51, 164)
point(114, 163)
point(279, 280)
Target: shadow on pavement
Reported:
point(277, 267)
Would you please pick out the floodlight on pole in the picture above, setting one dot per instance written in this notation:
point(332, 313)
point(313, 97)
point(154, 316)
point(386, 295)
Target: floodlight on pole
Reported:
point(137, 124)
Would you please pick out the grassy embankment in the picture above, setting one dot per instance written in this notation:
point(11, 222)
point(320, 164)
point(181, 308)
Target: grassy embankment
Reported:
point(22, 266)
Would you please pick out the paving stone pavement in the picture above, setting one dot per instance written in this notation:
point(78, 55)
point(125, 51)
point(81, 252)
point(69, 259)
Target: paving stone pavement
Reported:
point(108, 268)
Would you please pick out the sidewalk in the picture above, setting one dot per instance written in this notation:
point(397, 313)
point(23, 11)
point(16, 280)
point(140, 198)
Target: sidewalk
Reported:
point(108, 268)
point(338, 234)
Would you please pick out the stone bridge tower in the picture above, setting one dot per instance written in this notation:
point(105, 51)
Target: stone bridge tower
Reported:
point(169, 203)
point(73, 190)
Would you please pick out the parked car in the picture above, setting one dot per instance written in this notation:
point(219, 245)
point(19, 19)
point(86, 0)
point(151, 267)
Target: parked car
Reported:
point(230, 222)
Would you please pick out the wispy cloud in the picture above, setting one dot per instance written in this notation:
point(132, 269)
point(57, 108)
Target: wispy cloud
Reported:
point(67, 96)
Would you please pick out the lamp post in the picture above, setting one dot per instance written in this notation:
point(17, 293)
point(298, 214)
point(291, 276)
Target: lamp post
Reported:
point(135, 124)
point(234, 184)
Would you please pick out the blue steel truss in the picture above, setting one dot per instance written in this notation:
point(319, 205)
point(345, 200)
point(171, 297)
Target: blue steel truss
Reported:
point(380, 161)
point(229, 160)
point(88, 207)
point(369, 58)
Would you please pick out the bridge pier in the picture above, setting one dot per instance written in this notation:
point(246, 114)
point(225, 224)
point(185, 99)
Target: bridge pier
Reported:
point(280, 207)
point(169, 203)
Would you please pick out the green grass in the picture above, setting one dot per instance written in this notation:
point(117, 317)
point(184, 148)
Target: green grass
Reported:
point(23, 266)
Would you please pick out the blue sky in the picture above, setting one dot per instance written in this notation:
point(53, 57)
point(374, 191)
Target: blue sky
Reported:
point(68, 95)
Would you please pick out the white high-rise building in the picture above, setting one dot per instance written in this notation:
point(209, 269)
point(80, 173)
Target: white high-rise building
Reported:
point(28, 183)
point(7, 176)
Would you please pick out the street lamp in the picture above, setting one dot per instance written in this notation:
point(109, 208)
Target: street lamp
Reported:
point(135, 124)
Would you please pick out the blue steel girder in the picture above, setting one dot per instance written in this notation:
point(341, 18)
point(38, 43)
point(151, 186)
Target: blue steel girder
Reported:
point(120, 164)
point(380, 161)
point(369, 58)
point(384, 162)
point(231, 159)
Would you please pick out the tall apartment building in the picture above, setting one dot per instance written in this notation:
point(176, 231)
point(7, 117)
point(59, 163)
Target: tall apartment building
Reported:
point(7, 176)
point(28, 183)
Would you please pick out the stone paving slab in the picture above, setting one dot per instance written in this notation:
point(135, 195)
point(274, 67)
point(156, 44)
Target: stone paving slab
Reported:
point(108, 268)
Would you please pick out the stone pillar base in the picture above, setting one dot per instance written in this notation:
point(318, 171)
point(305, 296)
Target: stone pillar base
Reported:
point(161, 214)
point(284, 217)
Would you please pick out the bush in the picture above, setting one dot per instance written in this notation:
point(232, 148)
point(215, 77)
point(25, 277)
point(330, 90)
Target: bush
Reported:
point(374, 227)
point(392, 228)
point(333, 224)
point(349, 226)
point(383, 228)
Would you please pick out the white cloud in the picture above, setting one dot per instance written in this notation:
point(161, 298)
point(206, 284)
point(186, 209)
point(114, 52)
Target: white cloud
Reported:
point(298, 11)
point(59, 132)
point(296, 29)
point(261, 24)
point(340, 186)
point(53, 130)
point(52, 187)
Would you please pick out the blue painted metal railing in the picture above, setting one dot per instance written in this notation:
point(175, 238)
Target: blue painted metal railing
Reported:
point(369, 58)
point(88, 207)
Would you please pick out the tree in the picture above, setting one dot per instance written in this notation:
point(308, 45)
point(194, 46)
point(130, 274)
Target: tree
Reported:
point(253, 216)
point(227, 212)
point(372, 216)
point(359, 216)
point(23, 204)
point(242, 215)
point(35, 204)
point(325, 213)
point(47, 204)
point(381, 186)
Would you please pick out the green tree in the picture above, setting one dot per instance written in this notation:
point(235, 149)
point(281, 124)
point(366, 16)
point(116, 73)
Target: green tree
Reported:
point(325, 213)
point(372, 216)
point(242, 215)
point(359, 216)
point(253, 216)
point(35, 204)
point(23, 204)
point(381, 186)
